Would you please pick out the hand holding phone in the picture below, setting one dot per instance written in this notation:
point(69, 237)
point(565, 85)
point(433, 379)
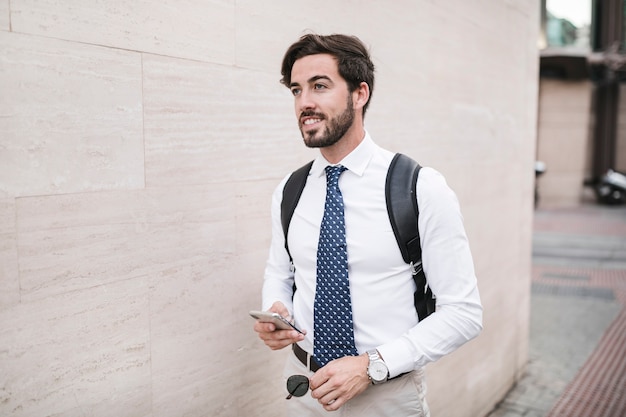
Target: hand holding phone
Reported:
point(279, 321)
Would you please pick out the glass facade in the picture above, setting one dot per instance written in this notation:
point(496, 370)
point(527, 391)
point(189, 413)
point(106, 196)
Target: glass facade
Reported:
point(567, 24)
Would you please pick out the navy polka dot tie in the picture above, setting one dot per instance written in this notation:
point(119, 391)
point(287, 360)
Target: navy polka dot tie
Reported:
point(333, 327)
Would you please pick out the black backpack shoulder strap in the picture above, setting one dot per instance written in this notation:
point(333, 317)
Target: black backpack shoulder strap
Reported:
point(400, 194)
point(400, 189)
point(291, 195)
point(401, 197)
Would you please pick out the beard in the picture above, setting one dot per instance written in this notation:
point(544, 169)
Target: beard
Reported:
point(333, 132)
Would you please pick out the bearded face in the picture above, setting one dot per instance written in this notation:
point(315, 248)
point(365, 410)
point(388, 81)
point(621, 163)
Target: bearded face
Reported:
point(330, 129)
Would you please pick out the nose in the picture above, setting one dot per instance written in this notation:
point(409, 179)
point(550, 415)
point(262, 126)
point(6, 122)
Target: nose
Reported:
point(304, 101)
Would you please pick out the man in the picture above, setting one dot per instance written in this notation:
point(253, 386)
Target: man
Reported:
point(331, 79)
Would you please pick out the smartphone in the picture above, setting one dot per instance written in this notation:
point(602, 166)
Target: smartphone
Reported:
point(279, 321)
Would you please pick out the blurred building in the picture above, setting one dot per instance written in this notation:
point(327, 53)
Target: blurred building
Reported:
point(582, 97)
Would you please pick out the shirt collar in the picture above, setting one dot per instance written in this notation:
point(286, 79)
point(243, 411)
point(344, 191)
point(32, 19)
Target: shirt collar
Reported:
point(356, 161)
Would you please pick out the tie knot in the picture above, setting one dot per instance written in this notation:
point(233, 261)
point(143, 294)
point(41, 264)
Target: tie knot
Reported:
point(333, 173)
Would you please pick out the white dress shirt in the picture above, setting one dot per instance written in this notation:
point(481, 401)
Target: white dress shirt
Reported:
point(381, 284)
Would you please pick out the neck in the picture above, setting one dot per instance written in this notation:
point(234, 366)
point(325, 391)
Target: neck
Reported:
point(353, 137)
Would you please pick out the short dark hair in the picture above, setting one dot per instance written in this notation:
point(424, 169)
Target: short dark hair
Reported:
point(353, 59)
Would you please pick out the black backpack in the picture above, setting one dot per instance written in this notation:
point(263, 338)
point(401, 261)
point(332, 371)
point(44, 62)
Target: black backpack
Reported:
point(403, 212)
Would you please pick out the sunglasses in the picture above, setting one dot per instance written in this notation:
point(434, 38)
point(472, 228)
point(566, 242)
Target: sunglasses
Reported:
point(297, 386)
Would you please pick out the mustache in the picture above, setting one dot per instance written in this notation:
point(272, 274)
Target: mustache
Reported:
point(310, 113)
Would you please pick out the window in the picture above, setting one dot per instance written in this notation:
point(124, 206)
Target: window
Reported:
point(566, 24)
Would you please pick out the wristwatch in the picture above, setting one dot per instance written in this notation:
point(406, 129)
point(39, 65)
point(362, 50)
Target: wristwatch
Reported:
point(377, 369)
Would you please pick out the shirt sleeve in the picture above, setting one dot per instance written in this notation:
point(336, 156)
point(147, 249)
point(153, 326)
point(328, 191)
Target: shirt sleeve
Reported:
point(449, 269)
point(279, 278)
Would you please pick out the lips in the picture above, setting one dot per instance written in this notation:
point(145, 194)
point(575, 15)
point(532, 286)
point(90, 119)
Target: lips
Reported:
point(310, 119)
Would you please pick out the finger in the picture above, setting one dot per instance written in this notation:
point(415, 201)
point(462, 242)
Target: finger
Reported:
point(272, 342)
point(279, 308)
point(333, 405)
point(290, 335)
point(264, 327)
point(332, 401)
point(321, 391)
point(280, 338)
point(319, 379)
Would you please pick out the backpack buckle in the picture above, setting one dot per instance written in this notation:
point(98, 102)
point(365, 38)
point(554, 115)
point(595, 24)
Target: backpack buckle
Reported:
point(416, 268)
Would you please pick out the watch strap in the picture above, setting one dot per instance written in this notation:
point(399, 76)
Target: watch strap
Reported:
point(374, 355)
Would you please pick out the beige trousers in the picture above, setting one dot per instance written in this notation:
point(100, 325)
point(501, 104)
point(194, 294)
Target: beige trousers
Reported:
point(400, 397)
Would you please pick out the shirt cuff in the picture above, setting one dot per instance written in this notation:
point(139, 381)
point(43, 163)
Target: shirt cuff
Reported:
point(398, 356)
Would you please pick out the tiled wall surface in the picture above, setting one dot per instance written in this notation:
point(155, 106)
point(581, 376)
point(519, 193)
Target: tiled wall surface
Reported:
point(139, 145)
point(73, 117)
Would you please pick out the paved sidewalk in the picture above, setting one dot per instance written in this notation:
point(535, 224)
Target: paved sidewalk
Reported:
point(577, 357)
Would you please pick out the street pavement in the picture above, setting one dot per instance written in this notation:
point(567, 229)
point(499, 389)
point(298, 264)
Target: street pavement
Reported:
point(577, 352)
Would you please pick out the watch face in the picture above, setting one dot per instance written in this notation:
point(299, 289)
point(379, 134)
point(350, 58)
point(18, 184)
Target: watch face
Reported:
point(378, 371)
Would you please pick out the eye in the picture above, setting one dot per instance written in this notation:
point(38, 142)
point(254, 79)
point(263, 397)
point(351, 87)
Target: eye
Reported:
point(319, 86)
point(295, 90)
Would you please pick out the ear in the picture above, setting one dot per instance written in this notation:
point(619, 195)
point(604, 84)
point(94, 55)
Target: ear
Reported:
point(361, 95)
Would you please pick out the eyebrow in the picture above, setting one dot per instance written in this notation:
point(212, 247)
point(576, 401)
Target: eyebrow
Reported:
point(312, 80)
